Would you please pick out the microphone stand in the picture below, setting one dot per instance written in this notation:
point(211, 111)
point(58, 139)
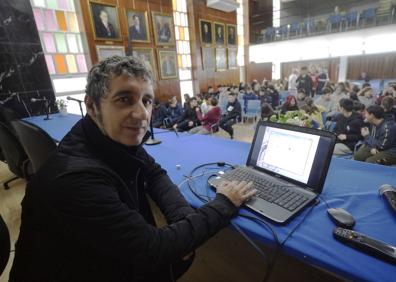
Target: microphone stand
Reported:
point(81, 110)
point(152, 141)
point(46, 106)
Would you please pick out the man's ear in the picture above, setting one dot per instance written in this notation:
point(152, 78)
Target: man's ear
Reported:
point(90, 105)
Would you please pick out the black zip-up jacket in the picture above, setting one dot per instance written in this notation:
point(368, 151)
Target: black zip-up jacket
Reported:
point(234, 111)
point(350, 126)
point(190, 114)
point(85, 215)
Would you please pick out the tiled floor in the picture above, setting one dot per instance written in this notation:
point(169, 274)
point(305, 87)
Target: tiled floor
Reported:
point(226, 257)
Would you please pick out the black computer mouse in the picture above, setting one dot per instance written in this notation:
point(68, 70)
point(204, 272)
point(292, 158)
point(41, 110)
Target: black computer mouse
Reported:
point(341, 217)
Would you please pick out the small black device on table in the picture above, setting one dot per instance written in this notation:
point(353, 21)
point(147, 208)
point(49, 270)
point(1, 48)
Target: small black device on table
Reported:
point(362, 242)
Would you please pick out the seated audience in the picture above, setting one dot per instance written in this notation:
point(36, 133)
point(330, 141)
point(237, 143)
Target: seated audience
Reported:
point(209, 120)
point(359, 108)
point(327, 102)
point(266, 112)
point(270, 95)
point(304, 81)
point(347, 127)
point(389, 109)
point(174, 112)
point(388, 92)
point(206, 104)
point(379, 144)
point(232, 116)
point(314, 113)
point(289, 105)
point(199, 99)
point(189, 118)
point(301, 96)
point(340, 92)
point(249, 95)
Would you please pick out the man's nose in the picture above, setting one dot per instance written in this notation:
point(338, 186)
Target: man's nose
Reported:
point(140, 111)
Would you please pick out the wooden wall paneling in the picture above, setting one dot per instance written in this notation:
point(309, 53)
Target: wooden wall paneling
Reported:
point(208, 77)
point(378, 66)
point(164, 89)
point(258, 71)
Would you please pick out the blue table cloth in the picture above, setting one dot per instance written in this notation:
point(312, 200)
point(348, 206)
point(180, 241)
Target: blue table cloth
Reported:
point(349, 184)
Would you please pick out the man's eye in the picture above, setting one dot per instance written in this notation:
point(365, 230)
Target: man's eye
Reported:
point(123, 99)
point(147, 102)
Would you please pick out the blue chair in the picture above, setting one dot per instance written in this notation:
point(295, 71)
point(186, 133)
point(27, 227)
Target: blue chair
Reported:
point(284, 31)
point(295, 28)
point(282, 96)
point(253, 109)
point(335, 22)
point(368, 16)
point(269, 33)
point(308, 26)
point(351, 19)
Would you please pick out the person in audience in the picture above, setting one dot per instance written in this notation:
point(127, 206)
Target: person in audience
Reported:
point(208, 121)
point(366, 96)
point(206, 104)
point(359, 108)
point(327, 102)
point(174, 112)
point(189, 117)
point(347, 127)
point(389, 109)
point(364, 76)
point(379, 144)
point(159, 114)
point(199, 99)
point(232, 116)
point(266, 112)
point(86, 215)
point(301, 97)
point(353, 96)
point(322, 79)
point(340, 92)
point(270, 95)
point(390, 91)
point(305, 82)
point(314, 113)
point(289, 105)
point(186, 103)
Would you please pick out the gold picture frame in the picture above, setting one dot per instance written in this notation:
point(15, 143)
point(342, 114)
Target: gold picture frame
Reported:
point(146, 55)
point(221, 59)
point(167, 62)
point(105, 51)
point(206, 36)
point(219, 34)
point(164, 31)
point(232, 53)
point(104, 21)
point(231, 34)
point(140, 33)
point(208, 58)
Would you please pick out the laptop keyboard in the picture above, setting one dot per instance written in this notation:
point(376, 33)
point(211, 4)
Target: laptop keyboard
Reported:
point(268, 189)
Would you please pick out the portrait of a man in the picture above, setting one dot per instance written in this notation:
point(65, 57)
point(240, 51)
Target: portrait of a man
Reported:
point(206, 32)
point(105, 51)
point(168, 64)
point(105, 21)
point(208, 58)
point(219, 33)
point(163, 29)
point(138, 30)
point(231, 34)
point(147, 56)
point(221, 59)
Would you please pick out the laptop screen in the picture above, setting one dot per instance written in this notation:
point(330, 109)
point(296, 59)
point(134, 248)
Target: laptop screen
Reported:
point(295, 153)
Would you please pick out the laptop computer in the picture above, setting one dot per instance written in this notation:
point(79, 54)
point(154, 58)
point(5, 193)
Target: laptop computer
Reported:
point(288, 165)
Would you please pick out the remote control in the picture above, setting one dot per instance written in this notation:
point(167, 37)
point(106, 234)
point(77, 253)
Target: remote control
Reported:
point(374, 247)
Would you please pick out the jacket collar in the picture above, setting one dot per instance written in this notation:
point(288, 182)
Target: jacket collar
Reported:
point(121, 158)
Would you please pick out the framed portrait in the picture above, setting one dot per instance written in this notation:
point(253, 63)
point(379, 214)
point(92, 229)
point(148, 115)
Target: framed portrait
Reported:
point(219, 34)
point(208, 58)
point(205, 30)
point(146, 55)
point(105, 51)
point(163, 29)
point(105, 23)
point(232, 58)
point(232, 39)
point(138, 27)
point(167, 64)
point(221, 59)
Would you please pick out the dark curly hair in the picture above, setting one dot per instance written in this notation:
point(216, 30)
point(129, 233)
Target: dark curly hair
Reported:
point(103, 72)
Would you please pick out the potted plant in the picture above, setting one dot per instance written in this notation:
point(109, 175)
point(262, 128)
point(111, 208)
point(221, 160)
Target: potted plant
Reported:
point(62, 106)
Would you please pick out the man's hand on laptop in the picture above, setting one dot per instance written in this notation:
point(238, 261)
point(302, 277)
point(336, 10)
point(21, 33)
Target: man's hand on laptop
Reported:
point(237, 192)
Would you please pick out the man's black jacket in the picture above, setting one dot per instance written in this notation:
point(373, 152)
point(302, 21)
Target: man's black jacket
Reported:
point(350, 126)
point(85, 215)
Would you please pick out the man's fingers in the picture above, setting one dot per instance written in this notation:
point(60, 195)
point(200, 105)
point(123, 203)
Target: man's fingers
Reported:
point(250, 194)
